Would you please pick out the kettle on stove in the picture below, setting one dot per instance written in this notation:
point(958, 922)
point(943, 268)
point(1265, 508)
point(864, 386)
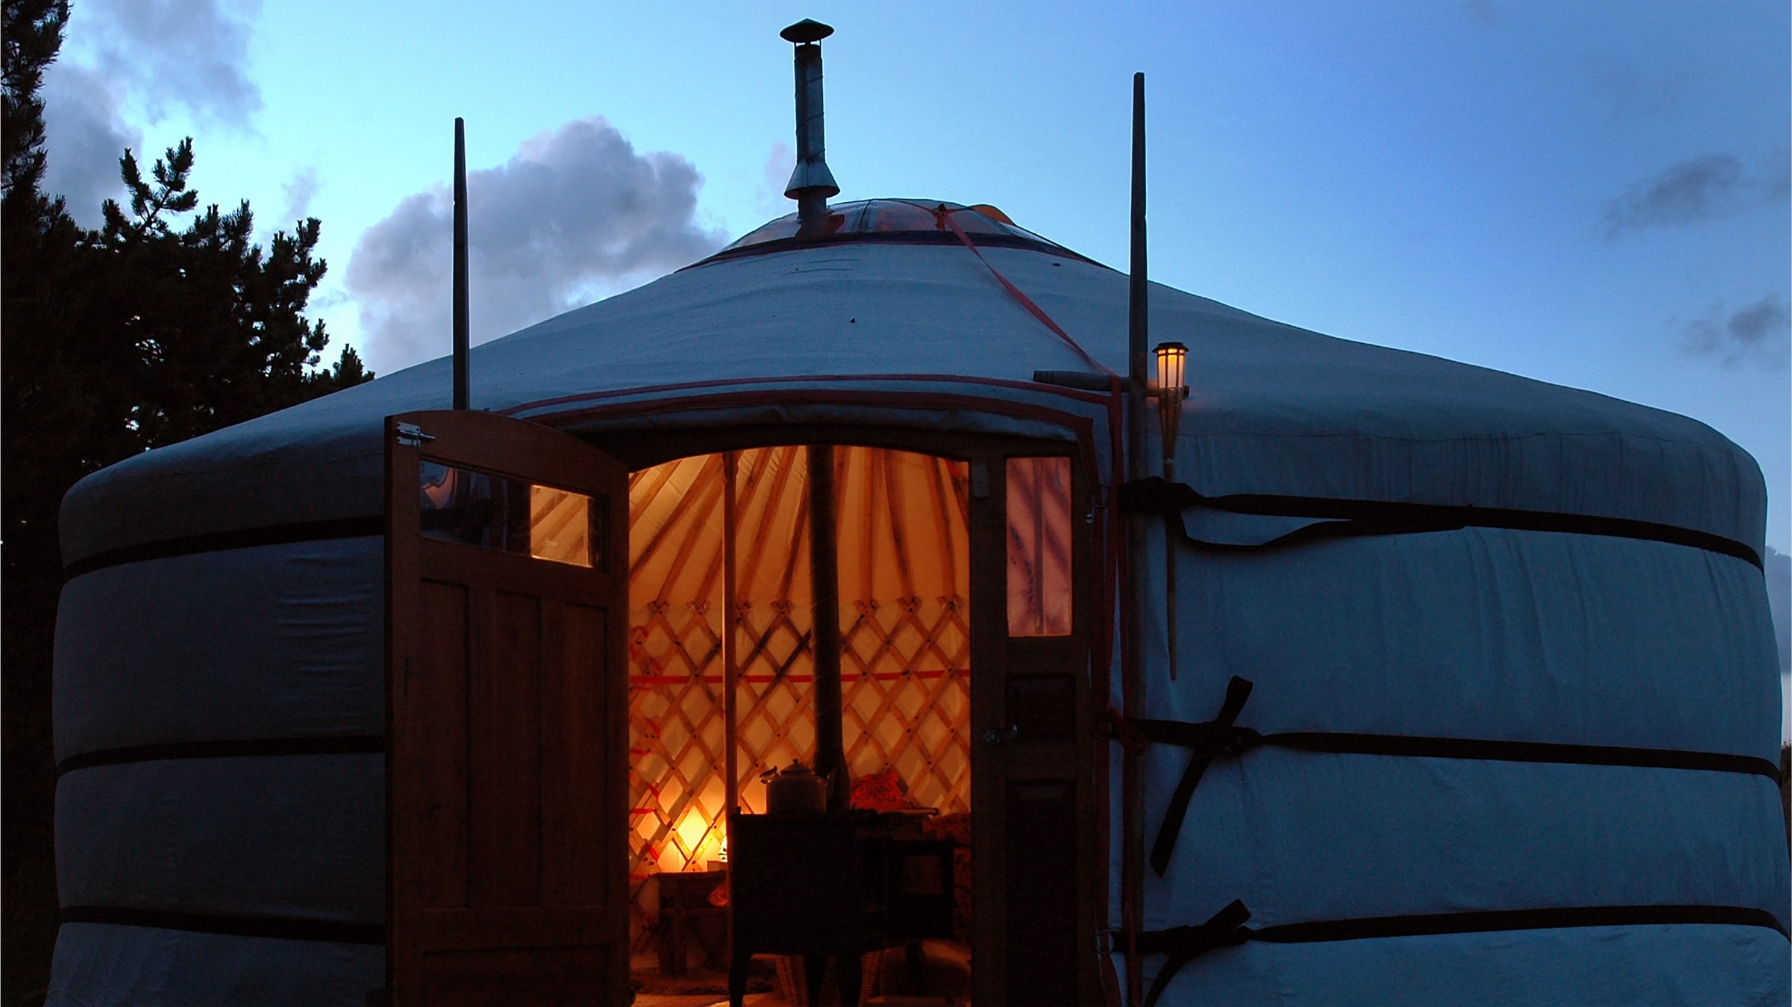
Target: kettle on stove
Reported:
point(794, 790)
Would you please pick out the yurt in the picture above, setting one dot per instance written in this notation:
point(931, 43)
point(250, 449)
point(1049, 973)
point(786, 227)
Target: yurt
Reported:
point(845, 606)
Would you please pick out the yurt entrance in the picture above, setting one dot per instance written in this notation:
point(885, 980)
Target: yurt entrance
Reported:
point(564, 738)
point(900, 533)
point(943, 566)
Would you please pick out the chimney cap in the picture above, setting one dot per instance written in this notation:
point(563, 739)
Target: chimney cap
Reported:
point(805, 31)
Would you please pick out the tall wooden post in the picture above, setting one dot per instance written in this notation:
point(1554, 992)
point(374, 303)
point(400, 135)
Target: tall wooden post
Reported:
point(730, 631)
point(462, 324)
point(1133, 651)
point(824, 567)
point(730, 672)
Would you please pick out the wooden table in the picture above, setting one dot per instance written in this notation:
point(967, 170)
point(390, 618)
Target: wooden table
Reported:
point(684, 908)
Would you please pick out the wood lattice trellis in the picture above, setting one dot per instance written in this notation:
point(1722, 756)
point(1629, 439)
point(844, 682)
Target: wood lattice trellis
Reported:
point(905, 638)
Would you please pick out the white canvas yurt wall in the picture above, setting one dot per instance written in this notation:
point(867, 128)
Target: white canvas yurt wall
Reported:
point(219, 701)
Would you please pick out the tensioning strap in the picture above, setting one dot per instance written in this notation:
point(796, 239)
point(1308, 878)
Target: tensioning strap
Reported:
point(1207, 741)
point(1181, 945)
point(1222, 737)
point(1356, 518)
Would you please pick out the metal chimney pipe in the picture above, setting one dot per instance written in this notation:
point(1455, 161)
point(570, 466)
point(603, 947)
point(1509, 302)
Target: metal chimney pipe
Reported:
point(811, 183)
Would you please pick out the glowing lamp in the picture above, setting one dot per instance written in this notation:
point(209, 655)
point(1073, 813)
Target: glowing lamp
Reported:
point(1171, 389)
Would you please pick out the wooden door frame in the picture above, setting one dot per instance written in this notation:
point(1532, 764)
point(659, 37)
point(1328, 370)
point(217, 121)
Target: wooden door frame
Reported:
point(989, 639)
point(493, 453)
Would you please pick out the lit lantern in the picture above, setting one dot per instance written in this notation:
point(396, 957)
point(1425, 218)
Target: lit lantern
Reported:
point(1172, 388)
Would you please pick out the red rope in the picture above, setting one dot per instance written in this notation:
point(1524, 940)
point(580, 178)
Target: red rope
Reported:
point(1116, 585)
point(881, 676)
point(945, 217)
point(1116, 395)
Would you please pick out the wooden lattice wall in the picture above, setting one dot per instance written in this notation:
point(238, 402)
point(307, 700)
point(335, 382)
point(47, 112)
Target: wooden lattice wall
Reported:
point(905, 638)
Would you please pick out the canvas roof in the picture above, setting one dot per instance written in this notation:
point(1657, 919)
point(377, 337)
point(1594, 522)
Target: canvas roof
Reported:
point(1275, 409)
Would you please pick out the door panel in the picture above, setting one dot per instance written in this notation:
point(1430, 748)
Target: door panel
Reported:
point(1042, 891)
point(574, 722)
point(438, 727)
point(506, 790)
point(1036, 872)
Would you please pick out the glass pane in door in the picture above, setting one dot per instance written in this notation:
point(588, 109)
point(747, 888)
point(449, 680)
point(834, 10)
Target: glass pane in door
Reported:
point(1039, 578)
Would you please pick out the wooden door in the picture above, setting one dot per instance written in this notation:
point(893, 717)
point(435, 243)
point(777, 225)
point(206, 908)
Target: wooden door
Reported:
point(1034, 865)
point(507, 556)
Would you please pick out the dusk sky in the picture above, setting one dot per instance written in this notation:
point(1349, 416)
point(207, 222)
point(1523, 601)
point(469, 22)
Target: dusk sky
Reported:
point(1591, 194)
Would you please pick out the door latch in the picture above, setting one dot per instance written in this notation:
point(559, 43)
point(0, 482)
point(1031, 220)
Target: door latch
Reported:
point(410, 435)
point(995, 737)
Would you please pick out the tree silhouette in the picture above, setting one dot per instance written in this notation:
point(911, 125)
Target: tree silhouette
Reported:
point(166, 322)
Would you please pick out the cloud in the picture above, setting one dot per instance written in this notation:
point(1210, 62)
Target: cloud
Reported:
point(769, 197)
point(1778, 567)
point(84, 137)
point(575, 214)
point(1755, 334)
point(144, 55)
point(298, 193)
point(178, 52)
point(1705, 187)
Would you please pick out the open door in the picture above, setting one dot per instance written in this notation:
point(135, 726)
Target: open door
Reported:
point(506, 608)
point(1036, 873)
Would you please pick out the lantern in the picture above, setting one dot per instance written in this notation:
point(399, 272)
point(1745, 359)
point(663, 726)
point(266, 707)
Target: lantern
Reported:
point(1172, 388)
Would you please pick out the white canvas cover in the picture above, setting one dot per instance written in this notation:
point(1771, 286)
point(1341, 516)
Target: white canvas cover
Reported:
point(1475, 633)
point(1274, 409)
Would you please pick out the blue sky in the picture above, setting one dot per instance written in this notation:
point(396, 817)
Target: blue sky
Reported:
point(1592, 194)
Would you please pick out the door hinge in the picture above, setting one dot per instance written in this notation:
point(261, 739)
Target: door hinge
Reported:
point(410, 435)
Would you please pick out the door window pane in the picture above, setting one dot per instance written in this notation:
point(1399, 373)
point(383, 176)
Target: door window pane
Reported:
point(560, 525)
point(490, 511)
point(1039, 578)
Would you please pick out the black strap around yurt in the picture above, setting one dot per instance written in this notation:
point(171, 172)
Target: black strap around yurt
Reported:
point(1221, 736)
point(240, 538)
point(1364, 518)
point(1181, 945)
point(227, 748)
point(287, 928)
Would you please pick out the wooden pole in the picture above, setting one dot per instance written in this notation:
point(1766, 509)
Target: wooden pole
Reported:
point(1132, 650)
point(730, 699)
point(824, 567)
point(462, 325)
point(1170, 565)
point(730, 655)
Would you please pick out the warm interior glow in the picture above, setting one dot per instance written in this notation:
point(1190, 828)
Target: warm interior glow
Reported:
point(702, 836)
point(559, 525)
point(904, 574)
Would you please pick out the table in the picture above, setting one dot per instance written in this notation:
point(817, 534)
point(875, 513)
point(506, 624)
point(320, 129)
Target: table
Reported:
point(685, 910)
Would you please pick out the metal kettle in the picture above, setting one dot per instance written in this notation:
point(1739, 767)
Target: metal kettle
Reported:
point(794, 790)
